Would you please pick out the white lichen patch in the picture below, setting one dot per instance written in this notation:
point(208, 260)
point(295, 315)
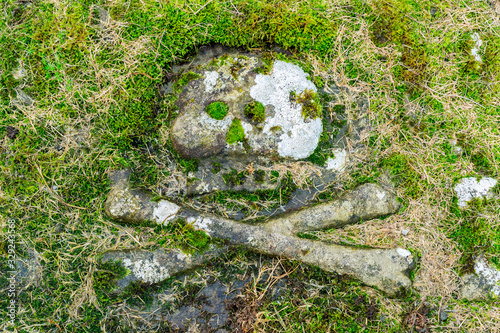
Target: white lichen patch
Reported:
point(247, 128)
point(183, 256)
point(300, 137)
point(403, 252)
point(165, 211)
point(149, 271)
point(380, 195)
point(210, 81)
point(488, 273)
point(339, 162)
point(201, 223)
point(477, 45)
point(470, 188)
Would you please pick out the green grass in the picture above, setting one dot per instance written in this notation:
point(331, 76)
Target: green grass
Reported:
point(217, 110)
point(98, 108)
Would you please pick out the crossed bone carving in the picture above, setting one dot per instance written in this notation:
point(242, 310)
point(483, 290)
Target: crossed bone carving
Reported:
point(386, 269)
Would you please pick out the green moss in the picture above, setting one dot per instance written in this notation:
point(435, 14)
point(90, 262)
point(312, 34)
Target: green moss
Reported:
point(319, 82)
point(325, 144)
point(473, 233)
point(235, 133)
point(311, 105)
point(255, 111)
point(404, 175)
point(184, 236)
point(259, 176)
point(184, 79)
point(107, 274)
point(393, 24)
point(268, 59)
point(217, 110)
point(234, 177)
point(306, 235)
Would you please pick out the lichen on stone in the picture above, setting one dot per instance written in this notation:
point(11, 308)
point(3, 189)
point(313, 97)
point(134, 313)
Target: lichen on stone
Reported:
point(148, 271)
point(300, 136)
point(470, 188)
point(165, 211)
point(210, 81)
point(339, 162)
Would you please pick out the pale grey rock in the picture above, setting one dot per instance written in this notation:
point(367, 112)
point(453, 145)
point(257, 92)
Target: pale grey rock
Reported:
point(155, 266)
point(469, 188)
point(482, 285)
point(339, 162)
point(387, 269)
point(231, 77)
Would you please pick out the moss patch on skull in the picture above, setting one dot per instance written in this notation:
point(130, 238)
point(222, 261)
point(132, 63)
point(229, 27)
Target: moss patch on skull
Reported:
point(235, 133)
point(311, 106)
point(184, 79)
point(217, 110)
point(255, 111)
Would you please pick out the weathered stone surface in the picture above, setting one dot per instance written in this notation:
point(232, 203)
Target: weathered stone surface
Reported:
point(125, 204)
point(208, 309)
point(232, 78)
point(385, 268)
point(469, 188)
point(363, 203)
point(482, 285)
point(211, 173)
point(155, 266)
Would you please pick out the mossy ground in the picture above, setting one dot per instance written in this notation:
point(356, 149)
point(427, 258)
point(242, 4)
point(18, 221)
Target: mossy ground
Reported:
point(97, 108)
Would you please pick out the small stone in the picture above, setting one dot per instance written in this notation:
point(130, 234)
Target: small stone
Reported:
point(12, 132)
point(443, 315)
point(483, 284)
point(470, 188)
point(340, 161)
point(405, 232)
